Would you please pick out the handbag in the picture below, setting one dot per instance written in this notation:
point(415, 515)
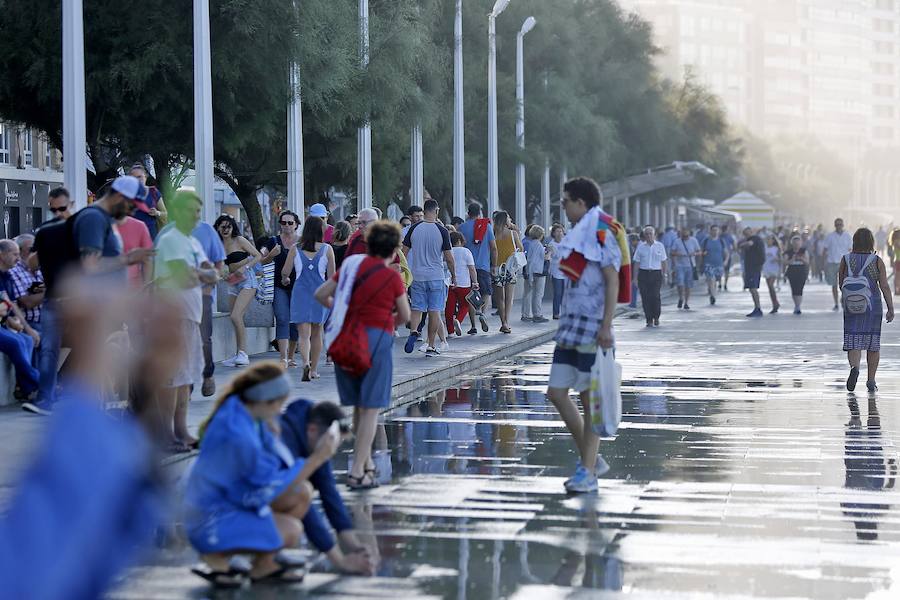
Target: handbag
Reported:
point(605, 393)
point(235, 278)
point(350, 349)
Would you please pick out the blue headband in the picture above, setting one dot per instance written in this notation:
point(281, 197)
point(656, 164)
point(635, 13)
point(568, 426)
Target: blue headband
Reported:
point(269, 390)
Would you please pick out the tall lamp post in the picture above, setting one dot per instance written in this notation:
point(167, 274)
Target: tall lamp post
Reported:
point(459, 144)
point(527, 26)
point(364, 135)
point(203, 128)
point(74, 136)
point(296, 194)
point(493, 161)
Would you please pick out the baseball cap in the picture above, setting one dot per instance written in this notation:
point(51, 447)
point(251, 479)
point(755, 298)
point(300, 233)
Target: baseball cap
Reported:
point(129, 187)
point(318, 210)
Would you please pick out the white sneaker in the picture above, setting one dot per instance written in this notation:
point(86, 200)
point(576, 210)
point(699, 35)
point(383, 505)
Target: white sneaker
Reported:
point(444, 347)
point(238, 360)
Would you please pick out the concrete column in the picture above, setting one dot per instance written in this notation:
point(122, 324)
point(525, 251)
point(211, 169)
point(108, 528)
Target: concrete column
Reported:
point(638, 214)
point(545, 196)
point(459, 158)
point(646, 218)
point(627, 213)
point(74, 129)
point(364, 135)
point(203, 127)
point(563, 178)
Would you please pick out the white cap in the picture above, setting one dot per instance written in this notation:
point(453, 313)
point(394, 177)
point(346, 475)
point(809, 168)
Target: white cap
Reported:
point(129, 187)
point(318, 210)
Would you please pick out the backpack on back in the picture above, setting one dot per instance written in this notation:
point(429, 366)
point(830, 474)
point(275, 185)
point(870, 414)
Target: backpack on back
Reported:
point(855, 288)
point(56, 248)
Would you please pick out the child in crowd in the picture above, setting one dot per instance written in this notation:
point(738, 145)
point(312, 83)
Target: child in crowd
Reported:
point(535, 278)
point(466, 279)
point(556, 275)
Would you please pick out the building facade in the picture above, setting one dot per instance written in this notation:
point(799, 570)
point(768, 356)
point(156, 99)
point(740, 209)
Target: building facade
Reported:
point(29, 168)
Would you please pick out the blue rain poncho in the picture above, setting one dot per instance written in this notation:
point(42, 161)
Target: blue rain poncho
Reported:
point(236, 477)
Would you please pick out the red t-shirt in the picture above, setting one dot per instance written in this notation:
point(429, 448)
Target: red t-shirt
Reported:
point(329, 234)
point(356, 244)
point(373, 302)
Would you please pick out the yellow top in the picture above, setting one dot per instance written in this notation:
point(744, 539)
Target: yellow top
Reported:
point(506, 247)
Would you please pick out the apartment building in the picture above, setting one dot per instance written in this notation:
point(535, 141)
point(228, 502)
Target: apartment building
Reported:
point(29, 169)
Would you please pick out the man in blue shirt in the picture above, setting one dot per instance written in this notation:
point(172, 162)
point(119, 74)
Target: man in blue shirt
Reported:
point(301, 426)
point(714, 255)
point(484, 250)
point(215, 252)
point(684, 253)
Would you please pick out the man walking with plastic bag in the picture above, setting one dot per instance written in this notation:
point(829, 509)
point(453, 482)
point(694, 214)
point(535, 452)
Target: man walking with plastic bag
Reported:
point(591, 259)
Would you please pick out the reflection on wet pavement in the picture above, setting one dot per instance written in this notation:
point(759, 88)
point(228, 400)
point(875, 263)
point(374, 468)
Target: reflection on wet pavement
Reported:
point(742, 470)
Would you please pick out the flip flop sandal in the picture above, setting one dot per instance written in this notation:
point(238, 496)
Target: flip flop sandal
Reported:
point(358, 483)
point(235, 577)
point(484, 323)
point(282, 575)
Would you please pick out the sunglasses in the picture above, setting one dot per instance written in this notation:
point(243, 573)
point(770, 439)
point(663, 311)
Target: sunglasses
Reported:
point(59, 209)
point(286, 223)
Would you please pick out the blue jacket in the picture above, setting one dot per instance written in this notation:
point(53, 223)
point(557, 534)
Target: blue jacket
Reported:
point(293, 434)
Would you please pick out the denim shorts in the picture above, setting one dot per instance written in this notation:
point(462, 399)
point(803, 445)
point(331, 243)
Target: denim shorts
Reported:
point(428, 296)
point(684, 276)
point(248, 283)
point(485, 282)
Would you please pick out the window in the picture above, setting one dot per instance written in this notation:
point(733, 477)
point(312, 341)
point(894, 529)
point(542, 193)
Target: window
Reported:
point(884, 111)
point(4, 144)
point(884, 5)
point(884, 133)
point(883, 90)
point(27, 148)
point(47, 149)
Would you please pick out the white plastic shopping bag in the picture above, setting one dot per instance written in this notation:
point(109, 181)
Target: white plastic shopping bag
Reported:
point(606, 398)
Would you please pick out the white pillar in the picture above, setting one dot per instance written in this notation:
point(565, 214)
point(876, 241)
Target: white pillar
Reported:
point(493, 191)
point(416, 167)
point(74, 134)
point(545, 196)
point(296, 196)
point(364, 135)
point(646, 219)
point(626, 210)
point(459, 144)
point(203, 128)
point(521, 210)
point(638, 215)
point(563, 178)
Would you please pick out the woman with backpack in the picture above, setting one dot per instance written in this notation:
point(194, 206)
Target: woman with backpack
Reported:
point(862, 274)
point(367, 299)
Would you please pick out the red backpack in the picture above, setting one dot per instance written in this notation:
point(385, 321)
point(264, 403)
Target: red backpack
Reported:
point(350, 349)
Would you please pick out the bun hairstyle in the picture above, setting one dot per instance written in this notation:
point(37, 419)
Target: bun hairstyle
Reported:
point(254, 374)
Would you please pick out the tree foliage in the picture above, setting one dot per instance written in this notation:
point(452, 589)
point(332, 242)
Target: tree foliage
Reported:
point(595, 103)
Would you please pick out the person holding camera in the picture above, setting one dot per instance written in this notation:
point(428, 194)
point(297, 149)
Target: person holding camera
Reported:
point(302, 426)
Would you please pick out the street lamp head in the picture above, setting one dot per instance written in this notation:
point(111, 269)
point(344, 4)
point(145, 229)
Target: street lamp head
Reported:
point(528, 25)
point(499, 7)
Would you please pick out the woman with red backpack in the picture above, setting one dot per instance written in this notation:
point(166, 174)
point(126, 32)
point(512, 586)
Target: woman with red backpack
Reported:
point(367, 300)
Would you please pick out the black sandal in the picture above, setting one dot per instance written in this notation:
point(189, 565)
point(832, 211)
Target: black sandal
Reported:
point(282, 575)
point(235, 577)
point(358, 483)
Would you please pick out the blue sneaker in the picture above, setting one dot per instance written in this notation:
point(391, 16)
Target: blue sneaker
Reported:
point(411, 342)
point(42, 408)
point(582, 482)
point(601, 468)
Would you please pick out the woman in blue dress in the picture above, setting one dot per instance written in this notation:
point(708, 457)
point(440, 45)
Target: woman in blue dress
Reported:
point(312, 261)
point(862, 330)
point(240, 498)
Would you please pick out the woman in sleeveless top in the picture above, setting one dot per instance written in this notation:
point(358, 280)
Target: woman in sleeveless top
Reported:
point(797, 270)
point(240, 258)
point(278, 248)
point(313, 263)
point(862, 332)
point(772, 270)
point(507, 236)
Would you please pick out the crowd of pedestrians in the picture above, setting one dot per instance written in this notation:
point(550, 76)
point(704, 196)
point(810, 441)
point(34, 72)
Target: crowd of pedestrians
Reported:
point(341, 292)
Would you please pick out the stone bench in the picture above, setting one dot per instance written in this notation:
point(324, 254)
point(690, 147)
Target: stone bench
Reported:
point(7, 381)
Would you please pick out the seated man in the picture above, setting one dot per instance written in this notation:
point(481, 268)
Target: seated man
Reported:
point(18, 346)
point(301, 425)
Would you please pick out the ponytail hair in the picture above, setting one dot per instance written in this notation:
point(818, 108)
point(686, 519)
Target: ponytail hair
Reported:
point(252, 375)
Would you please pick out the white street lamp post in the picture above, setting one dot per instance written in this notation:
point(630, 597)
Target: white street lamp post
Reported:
point(74, 135)
point(527, 26)
point(493, 161)
point(203, 128)
point(296, 193)
point(417, 172)
point(364, 136)
point(545, 196)
point(563, 178)
point(459, 144)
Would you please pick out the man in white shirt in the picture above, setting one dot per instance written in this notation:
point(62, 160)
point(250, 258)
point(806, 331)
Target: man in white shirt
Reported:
point(649, 271)
point(837, 244)
point(181, 269)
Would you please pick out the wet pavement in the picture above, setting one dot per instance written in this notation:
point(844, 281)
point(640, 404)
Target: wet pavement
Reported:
point(743, 469)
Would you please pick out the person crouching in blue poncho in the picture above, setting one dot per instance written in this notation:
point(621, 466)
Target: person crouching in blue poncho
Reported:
point(240, 497)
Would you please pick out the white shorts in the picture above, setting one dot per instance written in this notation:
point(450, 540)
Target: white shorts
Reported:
point(571, 369)
point(190, 367)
